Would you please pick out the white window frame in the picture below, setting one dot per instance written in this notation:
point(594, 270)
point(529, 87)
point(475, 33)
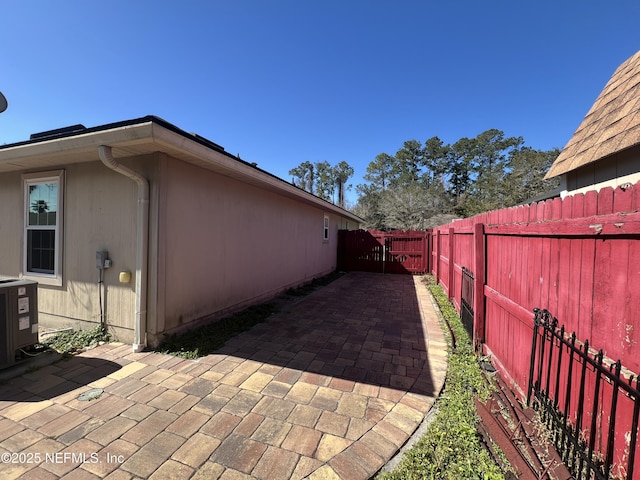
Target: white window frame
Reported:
point(325, 230)
point(29, 179)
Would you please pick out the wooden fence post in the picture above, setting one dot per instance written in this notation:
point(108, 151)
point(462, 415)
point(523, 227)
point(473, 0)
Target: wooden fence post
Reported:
point(450, 292)
point(424, 264)
point(436, 264)
point(479, 247)
point(427, 252)
point(383, 256)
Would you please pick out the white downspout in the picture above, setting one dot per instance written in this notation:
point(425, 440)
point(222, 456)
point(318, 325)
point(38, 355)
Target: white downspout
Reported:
point(142, 245)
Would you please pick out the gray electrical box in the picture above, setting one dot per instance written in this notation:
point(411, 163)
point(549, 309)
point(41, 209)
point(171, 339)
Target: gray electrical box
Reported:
point(18, 318)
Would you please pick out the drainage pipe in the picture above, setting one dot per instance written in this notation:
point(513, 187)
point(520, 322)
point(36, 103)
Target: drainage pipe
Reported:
point(142, 244)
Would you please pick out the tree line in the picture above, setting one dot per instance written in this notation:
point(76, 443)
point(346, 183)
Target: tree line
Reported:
point(323, 179)
point(425, 185)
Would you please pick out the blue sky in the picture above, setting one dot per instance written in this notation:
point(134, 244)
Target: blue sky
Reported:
point(282, 81)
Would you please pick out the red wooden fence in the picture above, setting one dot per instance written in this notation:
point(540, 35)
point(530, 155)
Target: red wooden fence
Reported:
point(399, 251)
point(579, 258)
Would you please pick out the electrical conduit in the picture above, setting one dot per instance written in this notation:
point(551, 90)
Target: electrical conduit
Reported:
point(142, 245)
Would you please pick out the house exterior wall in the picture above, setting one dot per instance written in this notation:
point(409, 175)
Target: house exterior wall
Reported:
point(216, 245)
point(224, 244)
point(618, 169)
point(11, 224)
point(99, 214)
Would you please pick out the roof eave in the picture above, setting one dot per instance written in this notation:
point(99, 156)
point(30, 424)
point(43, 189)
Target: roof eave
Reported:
point(144, 136)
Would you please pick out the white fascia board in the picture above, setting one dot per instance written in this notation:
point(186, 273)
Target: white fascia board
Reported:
point(126, 135)
point(151, 136)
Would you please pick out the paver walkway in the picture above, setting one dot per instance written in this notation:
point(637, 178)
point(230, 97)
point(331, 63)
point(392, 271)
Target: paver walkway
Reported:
point(329, 388)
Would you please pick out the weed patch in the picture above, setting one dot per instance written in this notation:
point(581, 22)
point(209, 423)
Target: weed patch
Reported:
point(70, 342)
point(208, 338)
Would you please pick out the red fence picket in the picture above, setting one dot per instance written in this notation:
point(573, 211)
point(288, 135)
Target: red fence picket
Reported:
point(578, 258)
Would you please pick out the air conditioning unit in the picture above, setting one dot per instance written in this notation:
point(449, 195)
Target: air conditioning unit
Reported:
point(18, 319)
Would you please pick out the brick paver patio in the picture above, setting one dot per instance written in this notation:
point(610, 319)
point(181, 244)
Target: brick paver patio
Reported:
point(329, 388)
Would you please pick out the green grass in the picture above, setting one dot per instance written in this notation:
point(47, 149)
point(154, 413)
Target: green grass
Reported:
point(208, 338)
point(451, 447)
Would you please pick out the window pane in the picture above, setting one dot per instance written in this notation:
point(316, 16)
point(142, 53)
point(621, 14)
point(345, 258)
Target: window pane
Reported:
point(41, 251)
point(43, 203)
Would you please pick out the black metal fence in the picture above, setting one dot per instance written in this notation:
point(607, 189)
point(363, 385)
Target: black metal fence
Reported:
point(466, 309)
point(590, 409)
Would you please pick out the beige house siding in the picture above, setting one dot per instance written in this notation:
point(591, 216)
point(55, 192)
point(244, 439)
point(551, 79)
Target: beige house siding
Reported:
point(11, 211)
point(97, 216)
point(216, 245)
point(222, 234)
point(224, 244)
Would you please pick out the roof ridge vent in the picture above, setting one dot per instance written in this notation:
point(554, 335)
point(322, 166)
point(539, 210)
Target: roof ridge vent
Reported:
point(58, 131)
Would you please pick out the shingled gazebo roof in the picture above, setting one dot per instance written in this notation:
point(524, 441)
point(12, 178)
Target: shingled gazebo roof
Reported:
point(612, 124)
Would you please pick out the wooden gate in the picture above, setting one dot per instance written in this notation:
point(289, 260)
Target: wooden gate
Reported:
point(398, 251)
